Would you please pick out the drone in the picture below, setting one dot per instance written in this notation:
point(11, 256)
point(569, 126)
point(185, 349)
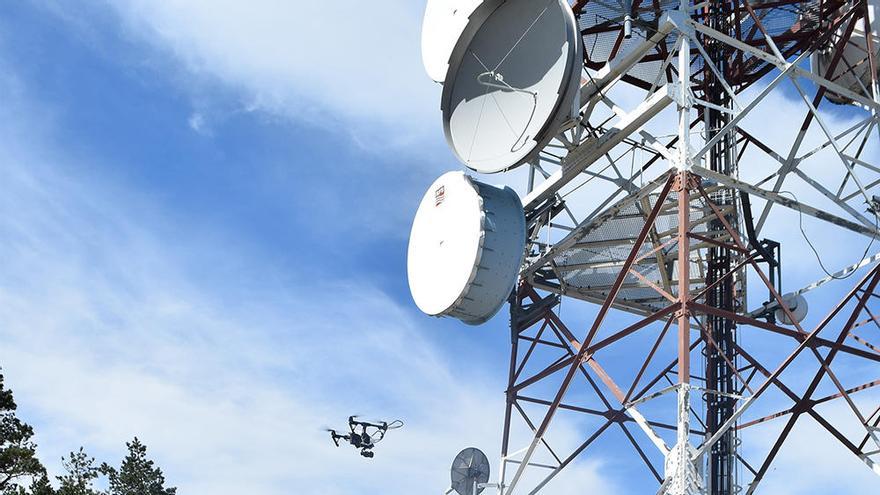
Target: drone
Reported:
point(364, 435)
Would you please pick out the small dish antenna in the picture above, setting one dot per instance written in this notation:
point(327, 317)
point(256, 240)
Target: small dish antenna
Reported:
point(512, 79)
point(443, 24)
point(798, 306)
point(466, 248)
point(470, 472)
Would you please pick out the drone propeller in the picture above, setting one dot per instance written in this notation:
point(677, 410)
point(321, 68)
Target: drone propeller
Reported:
point(357, 419)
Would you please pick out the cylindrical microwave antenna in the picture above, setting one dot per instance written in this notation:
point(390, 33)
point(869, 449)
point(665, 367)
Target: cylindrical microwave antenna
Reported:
point(466, 248)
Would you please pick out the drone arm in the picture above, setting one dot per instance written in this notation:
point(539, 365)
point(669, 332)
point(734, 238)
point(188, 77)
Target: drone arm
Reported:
point(336, 437)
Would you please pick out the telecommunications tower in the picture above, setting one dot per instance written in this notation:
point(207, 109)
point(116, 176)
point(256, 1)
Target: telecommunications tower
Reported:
point(666, 153)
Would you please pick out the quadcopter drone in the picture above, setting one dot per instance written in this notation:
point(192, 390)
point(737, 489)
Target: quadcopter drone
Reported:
point(364, 435)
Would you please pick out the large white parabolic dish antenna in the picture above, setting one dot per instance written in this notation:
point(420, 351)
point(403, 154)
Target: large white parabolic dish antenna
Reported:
point(443, 24)
point(512, 79)
point(466, 248)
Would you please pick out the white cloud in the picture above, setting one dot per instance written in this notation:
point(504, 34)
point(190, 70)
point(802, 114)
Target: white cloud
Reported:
point(335, 65)
point(105, 338)
point(812, 461)
point(197, 123)
point(108, 333)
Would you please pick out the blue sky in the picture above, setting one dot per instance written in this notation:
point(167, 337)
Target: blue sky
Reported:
point(198, 263)
point(205, 209)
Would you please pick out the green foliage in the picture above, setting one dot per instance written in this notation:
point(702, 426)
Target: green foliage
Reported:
point(81, 474)
point(18, 458)
point(21, 473)
point(138, 475)
point(41, 486)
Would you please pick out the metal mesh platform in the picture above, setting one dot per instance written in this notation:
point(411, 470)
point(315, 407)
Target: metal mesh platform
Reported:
point(586, 263)
point(791, 24)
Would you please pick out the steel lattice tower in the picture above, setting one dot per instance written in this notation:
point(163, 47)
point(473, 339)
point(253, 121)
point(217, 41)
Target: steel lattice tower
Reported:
point(650, 199)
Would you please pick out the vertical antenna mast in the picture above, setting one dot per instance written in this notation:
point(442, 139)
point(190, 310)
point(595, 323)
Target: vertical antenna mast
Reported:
point(720, 406)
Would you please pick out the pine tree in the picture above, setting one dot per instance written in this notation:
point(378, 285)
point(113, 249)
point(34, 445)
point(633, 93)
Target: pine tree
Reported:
point(41, 486)
point(18, 457)
point(137, 475)
point(81, 474)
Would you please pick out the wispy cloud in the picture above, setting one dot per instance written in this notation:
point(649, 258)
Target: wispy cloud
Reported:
point(354, 70)
point(109, 332)
point(812, 461)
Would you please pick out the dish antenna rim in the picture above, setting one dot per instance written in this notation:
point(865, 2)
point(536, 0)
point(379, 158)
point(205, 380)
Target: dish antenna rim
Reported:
point(440, 23)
